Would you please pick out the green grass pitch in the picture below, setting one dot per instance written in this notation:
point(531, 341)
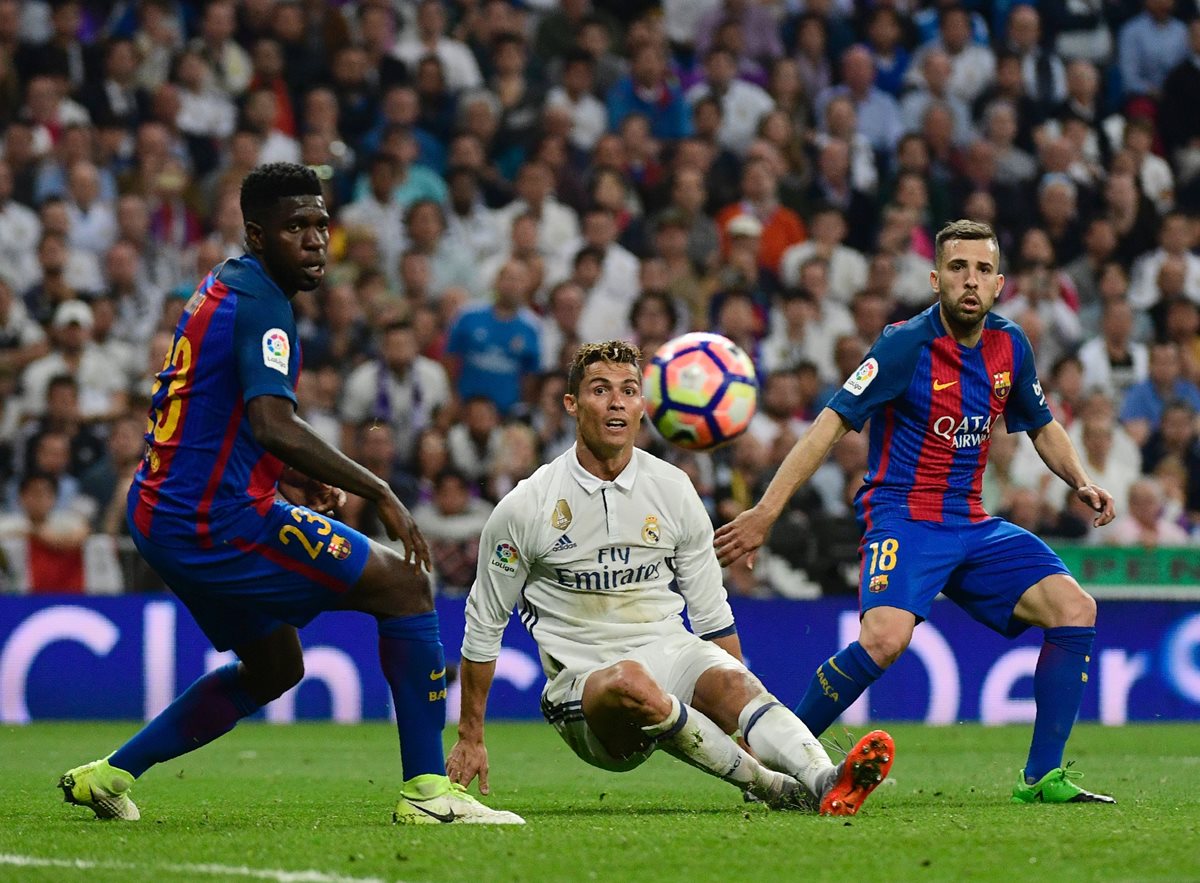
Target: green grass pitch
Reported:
point(312, 803)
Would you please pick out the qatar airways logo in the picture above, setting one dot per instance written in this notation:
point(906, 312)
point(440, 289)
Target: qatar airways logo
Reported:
point(965, 432)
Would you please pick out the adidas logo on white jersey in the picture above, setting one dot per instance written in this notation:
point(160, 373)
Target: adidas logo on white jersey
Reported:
point(562, 544)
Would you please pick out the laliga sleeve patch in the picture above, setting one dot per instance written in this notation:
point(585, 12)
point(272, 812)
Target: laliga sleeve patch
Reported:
point(505, 557)
point(276, 350)
point(861, 378)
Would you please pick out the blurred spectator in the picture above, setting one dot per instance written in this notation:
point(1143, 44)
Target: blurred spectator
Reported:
point(935, 89)
point(972, 64)
point(451, 523)
point(1109, 455)
point(1149, 46)
point(494, 348)
point(516, 458)
point(1178, 126)
point(107, 480)
point(375, 448)
point(1099, 245)
point(1113, 361)
point(400, 388)
point(1142, 407)
point(20, 231)
point(1043, 72)
point(743, 104)
point(649, 90)
point(102, 393)
point(1176, 238)
point(43, 542)
point(557, 224)
point(429, 38)
point(1144, 524)
point(230, 63)
point(22, 339)
point(781, 227)
point(473, 442)
point(589, 117)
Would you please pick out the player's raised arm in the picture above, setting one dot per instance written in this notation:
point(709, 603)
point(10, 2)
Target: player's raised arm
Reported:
point(1058, 453)
point(749, 530)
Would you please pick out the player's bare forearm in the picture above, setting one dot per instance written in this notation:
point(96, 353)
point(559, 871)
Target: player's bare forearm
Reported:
point(282, 432)
point(746, 533)
point(476, 679)
point(1058, 453)
point(803, 460)
point(468, 758)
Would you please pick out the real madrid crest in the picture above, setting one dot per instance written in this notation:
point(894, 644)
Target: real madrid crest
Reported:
point(560, 518)
point(650, 531)
point(1001, 384)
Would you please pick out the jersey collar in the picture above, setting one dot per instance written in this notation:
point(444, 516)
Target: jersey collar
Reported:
point(590, 483)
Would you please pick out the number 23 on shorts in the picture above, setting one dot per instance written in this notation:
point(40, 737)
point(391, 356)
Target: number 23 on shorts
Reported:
point(310, 545)
point(883, 555)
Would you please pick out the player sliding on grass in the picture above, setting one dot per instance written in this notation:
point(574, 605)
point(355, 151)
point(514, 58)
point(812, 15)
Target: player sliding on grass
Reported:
point(223, 439)
point(599, 550)
point(935, 386)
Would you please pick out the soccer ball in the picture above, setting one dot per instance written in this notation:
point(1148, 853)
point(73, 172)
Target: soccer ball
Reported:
point(700, 390)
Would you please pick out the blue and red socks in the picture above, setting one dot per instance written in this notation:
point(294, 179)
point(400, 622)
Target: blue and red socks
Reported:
point(1058, 682)
point(410, 653)
point(207, 709)
point(838, 681)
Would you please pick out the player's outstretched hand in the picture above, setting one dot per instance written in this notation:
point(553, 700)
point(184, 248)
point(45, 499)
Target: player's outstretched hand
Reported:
point(1101, 501)
point(742, 536)
point(399, 524)
point(466, 761)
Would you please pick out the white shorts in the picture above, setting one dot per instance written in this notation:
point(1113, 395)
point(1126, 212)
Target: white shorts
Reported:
point(675, 663)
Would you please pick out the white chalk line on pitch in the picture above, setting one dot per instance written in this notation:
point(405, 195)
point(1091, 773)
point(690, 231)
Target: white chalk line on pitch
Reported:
point(279, 875)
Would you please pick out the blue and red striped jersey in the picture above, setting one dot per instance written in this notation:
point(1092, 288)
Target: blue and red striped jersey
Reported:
point(204, 469)
point(933, 403)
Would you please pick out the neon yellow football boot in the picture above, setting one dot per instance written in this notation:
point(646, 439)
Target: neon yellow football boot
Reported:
point(435, 800)
point(102, 788)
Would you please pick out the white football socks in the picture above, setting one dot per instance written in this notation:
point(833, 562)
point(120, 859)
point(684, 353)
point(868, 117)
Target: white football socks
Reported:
point(693, 738)
point(783, 742)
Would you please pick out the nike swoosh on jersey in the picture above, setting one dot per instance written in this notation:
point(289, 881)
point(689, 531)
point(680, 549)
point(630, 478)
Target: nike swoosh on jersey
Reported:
point(445, 817)
point(437, 675)
point(938, 386)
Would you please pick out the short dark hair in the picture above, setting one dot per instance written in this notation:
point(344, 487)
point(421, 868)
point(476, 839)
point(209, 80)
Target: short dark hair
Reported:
point(33, 477)
point(619, 351)
point(963, 229)
point(268, 184)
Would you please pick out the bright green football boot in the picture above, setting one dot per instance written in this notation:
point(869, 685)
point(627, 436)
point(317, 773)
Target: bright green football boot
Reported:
point(1057, 786)
point(435, 800)
point(102, 788)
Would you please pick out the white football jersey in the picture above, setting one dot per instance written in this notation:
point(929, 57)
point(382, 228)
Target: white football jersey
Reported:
point(596, 568)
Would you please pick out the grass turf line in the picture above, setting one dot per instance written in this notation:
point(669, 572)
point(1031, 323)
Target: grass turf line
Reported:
point(318, 797)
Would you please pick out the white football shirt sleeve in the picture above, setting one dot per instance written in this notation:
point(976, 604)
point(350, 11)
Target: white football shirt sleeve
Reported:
point(499, 577)
point(697, 570)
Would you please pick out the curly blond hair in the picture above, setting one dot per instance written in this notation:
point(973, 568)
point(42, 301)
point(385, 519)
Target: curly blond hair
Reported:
point(619, 351)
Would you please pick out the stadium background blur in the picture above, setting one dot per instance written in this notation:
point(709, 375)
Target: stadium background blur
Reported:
point(508, 179)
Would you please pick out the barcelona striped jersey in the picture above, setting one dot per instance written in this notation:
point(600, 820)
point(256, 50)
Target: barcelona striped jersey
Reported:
point(204, 469)
point(933, 404)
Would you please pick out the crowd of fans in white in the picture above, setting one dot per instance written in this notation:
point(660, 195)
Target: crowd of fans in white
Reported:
point(508, 178)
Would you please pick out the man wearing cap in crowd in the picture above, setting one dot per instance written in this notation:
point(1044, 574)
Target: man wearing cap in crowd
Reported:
point(101, 392)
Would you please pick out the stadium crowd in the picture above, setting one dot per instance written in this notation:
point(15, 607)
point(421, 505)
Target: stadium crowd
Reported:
point(508, 178)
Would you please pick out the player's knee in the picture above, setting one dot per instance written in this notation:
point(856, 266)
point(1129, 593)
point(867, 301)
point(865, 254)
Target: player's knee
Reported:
point(392, 587)
point(630, 686)
point(885, 646)
point(266, 682)
point(1078, 608)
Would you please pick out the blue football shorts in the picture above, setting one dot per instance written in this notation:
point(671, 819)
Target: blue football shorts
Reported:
point(282, 567)
point(983, 567)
